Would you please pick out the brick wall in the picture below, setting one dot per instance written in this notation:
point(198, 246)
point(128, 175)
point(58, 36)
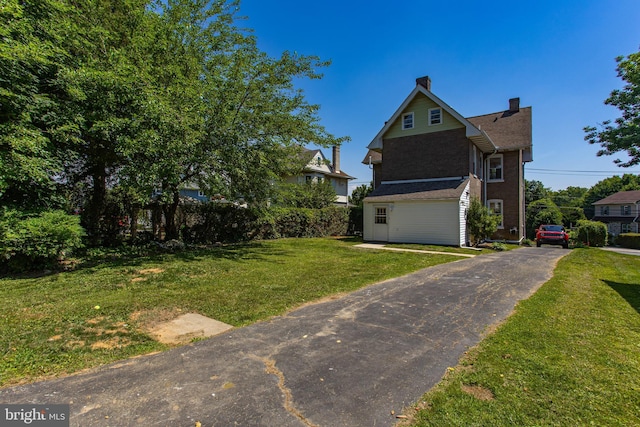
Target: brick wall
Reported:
point(509, 192)
point(432, 155)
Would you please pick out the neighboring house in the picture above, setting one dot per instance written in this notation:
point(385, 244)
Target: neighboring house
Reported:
point(189, 191)
point(428, 161)
point(319, 168)
point(620, 211)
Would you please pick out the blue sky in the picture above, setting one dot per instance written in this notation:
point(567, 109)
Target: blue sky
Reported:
point(557, 56)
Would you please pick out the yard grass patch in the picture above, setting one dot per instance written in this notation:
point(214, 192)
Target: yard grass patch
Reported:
point(100, 313)
point(570, 355)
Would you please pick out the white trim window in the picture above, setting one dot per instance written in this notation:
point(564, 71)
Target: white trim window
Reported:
point(201, 193)
point(625, 210)
point(435, 116)
point(380, 216)
point(407, 121)
point(495, 168)
point(604, 210)
point(625, 228)
point(495, 206)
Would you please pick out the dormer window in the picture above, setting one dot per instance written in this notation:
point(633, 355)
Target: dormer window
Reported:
point(407, 121)
point(435, 116)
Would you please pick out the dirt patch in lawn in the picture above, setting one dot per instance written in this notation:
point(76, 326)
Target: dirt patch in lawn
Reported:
point(479, 392)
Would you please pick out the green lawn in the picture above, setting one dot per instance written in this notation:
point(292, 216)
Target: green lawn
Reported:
point(64, 322)
point(570, 355)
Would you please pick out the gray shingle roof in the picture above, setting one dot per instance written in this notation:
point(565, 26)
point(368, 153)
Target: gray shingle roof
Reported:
point(620, 198)
point(427, 190)
point(507, 129)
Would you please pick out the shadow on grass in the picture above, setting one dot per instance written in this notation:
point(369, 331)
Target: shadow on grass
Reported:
point(138, 256)
point(629, 291)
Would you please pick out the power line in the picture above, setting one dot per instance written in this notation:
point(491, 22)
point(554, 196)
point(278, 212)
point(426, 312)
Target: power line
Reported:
point(577, 172)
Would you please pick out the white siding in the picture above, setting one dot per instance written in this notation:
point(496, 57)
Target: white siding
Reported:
point(465, 201)
point(433, 222)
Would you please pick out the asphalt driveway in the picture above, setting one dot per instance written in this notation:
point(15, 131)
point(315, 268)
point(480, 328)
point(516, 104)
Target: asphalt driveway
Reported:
point(343, 362)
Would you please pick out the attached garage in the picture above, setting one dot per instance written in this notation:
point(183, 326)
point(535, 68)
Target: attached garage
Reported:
point(427, 212)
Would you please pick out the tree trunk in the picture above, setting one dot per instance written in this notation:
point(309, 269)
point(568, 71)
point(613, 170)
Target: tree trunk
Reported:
point(170, 210)
point(95, 210)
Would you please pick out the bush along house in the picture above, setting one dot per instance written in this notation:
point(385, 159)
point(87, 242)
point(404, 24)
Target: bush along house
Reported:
point(429, 161)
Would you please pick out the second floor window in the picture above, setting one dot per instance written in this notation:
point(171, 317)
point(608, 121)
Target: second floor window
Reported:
point(435, 116)
point(495, 168)
point(604, 210)
point(625, 210)
point(407, 121)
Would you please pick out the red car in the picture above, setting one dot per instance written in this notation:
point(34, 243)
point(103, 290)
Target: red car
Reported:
point(552, 235)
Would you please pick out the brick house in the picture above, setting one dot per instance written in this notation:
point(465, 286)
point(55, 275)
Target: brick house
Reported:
point(620, 211)
point(429, 161)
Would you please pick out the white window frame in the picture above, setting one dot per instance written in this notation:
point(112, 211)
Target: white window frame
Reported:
point(380, 215)
point(435, 122)
point(625, 210)
point(405, 126)
point(489, 168)
point(201, 193)
point(604, 210)
point(625, 228)
point(493, 210)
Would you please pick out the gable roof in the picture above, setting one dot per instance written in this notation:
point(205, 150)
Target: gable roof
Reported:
point(445, 189)
point(509, 130)
point(479, 137)
point(620, 197)
point(308, 155)
point(372, 157)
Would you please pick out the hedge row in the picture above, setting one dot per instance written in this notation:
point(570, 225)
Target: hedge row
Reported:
point(628, 240)
point(211, 223)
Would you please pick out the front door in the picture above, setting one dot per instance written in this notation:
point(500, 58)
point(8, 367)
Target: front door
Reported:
point(381, 223)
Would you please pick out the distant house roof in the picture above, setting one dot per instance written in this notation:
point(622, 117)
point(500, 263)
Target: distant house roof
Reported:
point(308, 156)
point(421, 190)
point(620, 197)
point(509, 130)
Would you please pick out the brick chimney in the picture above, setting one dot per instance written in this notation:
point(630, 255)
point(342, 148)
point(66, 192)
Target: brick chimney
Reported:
point(336, 158)
point(514, 105)
point(424, 82)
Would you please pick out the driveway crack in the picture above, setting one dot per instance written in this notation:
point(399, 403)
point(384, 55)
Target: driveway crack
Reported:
point(270, 368)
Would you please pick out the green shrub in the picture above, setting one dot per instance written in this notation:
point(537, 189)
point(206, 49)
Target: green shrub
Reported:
point(40, 241)
point(629, 240)
point(590, 233)
point(210, 223)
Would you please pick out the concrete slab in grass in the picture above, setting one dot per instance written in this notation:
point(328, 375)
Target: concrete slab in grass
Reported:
point(187, 327)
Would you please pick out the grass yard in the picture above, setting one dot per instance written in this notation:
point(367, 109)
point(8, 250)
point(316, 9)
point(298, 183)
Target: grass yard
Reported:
point(64, 322)
point(570, 355)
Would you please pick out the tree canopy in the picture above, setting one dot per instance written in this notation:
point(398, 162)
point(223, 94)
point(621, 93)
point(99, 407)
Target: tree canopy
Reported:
point(623, 135)
point(145, 97)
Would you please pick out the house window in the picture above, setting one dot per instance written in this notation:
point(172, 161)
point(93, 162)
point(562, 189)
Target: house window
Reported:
point(407, 121)
point(495, 168)
point(435, 116)
point(308, 178)
point(495, 206)
point(604, 210)
point(626, 228)
point(625, 210)
point(200, 193)
point(381, 216)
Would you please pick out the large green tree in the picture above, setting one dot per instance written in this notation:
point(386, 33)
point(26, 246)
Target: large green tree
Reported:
point(623, 135)
point(33, 37)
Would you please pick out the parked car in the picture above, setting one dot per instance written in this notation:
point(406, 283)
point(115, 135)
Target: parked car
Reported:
point(552, 234)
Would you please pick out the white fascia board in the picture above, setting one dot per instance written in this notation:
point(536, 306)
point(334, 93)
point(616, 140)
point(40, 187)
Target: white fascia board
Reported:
point(478, 136)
